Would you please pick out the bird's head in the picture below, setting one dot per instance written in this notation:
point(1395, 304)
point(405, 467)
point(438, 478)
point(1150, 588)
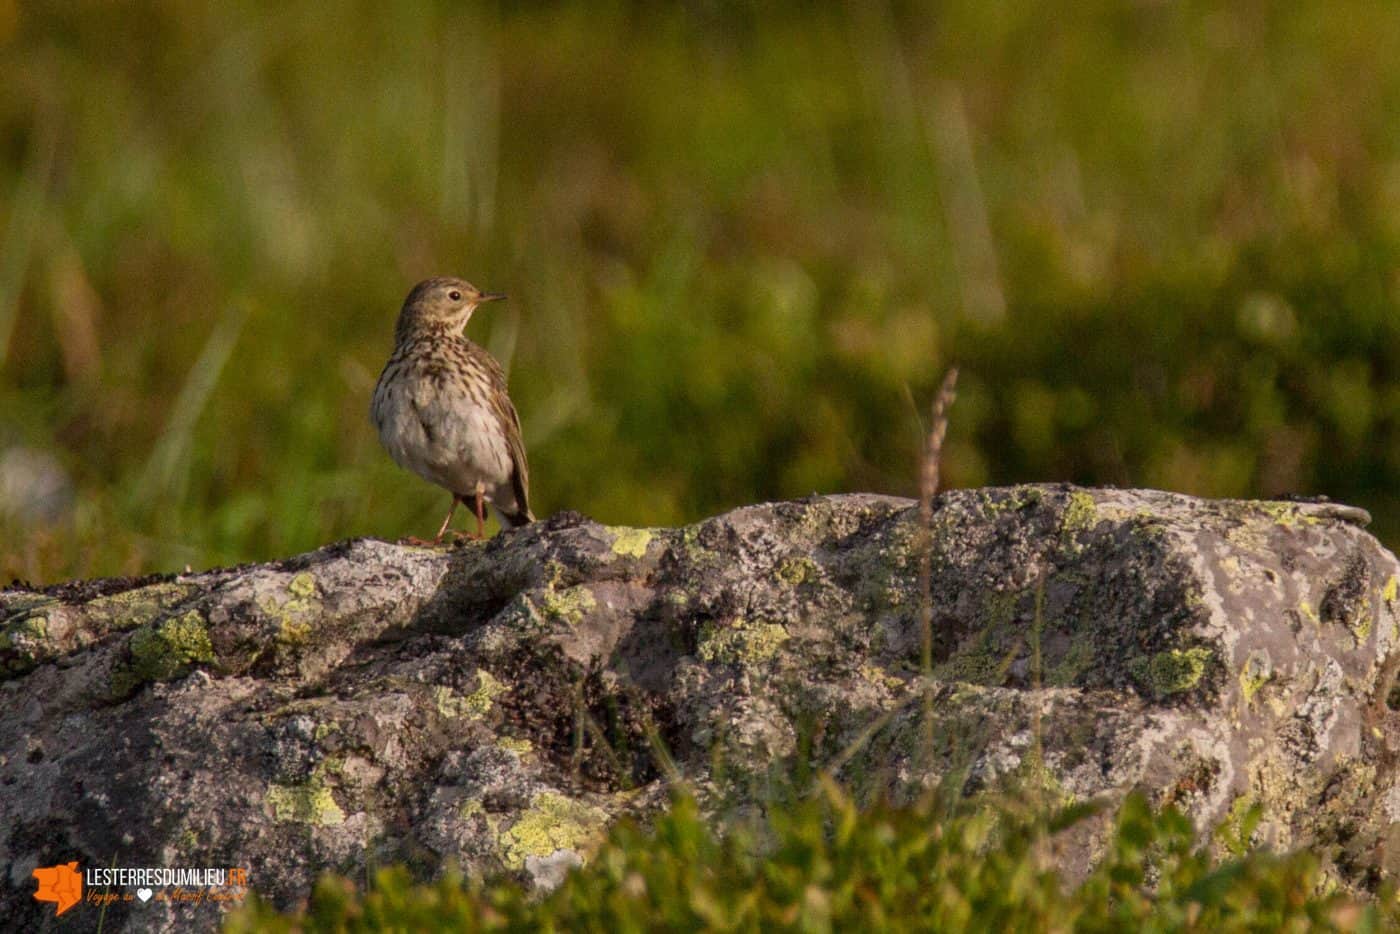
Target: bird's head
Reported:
point(443, 302)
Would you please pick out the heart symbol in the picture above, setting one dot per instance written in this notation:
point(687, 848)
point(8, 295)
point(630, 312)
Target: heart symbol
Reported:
point(144, 894)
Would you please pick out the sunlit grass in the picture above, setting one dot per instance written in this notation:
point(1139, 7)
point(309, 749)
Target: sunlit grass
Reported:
point(1161, 242)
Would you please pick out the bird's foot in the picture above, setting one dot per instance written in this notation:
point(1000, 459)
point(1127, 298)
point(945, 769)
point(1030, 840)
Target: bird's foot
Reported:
point(417, 542)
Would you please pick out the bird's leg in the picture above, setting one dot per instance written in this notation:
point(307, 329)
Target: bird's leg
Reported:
point(437, 539)
point(480, 513)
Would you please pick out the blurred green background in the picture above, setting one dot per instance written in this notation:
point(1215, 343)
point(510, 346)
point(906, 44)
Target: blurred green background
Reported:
point(742, 241)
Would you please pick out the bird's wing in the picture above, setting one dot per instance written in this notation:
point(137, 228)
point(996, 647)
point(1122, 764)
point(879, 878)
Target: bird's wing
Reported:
point(510, 425)
point(520, 477)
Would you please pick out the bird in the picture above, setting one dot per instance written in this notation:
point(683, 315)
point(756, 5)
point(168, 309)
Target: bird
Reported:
point(442, 411)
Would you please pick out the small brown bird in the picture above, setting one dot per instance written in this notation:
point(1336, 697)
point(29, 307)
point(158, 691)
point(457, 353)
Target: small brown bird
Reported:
point(441, 406)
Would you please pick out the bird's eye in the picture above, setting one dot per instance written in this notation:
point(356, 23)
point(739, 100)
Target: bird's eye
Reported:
point(455, 295)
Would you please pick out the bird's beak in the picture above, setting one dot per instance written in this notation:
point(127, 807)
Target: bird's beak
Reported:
point(490, 297)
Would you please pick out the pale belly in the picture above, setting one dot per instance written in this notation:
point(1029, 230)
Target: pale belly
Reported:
point(457, 445)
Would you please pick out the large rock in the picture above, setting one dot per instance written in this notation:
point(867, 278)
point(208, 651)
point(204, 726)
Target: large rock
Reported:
point(498, 704)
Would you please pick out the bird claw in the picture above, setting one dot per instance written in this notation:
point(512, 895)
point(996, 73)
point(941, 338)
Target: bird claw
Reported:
point(418, 542)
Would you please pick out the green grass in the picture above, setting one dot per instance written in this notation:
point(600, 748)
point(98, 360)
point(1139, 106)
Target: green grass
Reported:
point(825, 865)
point(741, 242)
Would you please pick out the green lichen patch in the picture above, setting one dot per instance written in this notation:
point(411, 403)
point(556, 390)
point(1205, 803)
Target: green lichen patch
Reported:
point(520, 747)
point(292, 631)
point(1255, 673)
point(1287, 515)
point(27, 641)
point(629, 542)
point(1173, 671)
point(879, 676)
point(1361, 625)
point(1308, 612)
point(24, 639)
point(295, 612)
point(553, 822)
point(304, 803)
point(1009, 499)
point(303, 585)
point(131, 608)
point(797, 571)
point(16, 602)
point(163, 651)
point(1082, 512)
point(1236, 832)
point(471, 706)
point(740, 641)
point(569, 605)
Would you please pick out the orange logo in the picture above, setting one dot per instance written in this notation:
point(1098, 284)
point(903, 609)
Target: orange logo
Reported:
point(62, 884)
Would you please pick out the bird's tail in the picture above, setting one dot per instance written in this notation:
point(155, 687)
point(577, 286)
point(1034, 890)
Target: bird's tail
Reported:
point(512, 519)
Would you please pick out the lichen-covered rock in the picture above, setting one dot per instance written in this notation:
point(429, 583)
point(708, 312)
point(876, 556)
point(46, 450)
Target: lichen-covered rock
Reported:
point(499, 704)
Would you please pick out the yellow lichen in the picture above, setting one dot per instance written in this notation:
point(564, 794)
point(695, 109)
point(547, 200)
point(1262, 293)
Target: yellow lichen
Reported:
point(1286, 514)
point(553, 823)
point(629, 542)
point(569, 605)
point(1310, 614)
point(303, 585)
point(18, 602)
point(24, 638)
point(472, 706)
point(131, 608)
point(877, 675)
point(28, 630)
point(1236, 831)
point(294, 614)
point(162, 651)
point(521, 747)
point(740, 641)
point(1255, 673)
point(308, 802)
point(1173, 671)
point(1361, 626)
point(1082, 512)
point(797, 571)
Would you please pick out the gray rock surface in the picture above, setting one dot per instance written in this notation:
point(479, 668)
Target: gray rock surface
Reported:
point(499, 704)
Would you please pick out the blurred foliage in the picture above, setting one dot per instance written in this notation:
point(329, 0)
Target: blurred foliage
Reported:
point(742, 241)
point(824, 865)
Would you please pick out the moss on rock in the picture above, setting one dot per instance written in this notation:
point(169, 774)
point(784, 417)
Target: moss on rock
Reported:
point(1173, 671)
